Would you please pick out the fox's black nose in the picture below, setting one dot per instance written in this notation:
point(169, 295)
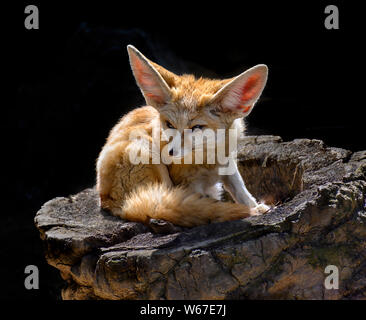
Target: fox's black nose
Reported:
point(171, 152)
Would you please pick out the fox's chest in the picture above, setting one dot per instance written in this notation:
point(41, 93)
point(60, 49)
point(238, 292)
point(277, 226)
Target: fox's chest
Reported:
point(202, 179)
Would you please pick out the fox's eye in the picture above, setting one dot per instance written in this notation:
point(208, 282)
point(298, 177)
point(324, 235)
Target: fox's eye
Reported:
point(169, 125)
point(200, 127)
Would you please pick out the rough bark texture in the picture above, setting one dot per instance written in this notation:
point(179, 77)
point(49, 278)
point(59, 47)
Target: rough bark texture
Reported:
point(320, 220)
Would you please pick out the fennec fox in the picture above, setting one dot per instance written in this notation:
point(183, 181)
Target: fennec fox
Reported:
point(183, 194)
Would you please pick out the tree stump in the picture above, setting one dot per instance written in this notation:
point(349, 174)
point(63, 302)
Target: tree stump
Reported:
point(319, 220)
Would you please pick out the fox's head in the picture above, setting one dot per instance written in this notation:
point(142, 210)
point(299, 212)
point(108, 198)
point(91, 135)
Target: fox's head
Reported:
point(185, 102)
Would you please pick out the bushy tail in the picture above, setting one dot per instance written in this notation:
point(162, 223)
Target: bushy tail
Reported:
point(179, 206)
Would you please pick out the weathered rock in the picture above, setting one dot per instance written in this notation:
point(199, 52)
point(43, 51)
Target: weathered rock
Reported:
point(319, 220)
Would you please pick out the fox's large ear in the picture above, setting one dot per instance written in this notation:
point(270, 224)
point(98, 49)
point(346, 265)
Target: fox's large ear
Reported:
point(153, 86)
point(238, 96)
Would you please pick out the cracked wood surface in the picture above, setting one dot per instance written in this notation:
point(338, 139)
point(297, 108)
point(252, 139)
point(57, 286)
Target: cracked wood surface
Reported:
point(319, 220)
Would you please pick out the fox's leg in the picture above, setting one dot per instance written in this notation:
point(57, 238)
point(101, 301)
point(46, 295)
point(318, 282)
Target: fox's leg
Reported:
point(127, 180)
point(117, 177)
point(235, 185)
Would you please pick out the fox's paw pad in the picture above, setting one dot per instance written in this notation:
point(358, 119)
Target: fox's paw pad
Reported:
point(260, 209)
point(163, 226)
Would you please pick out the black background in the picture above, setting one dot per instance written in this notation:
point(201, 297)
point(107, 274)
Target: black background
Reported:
point(73, 82)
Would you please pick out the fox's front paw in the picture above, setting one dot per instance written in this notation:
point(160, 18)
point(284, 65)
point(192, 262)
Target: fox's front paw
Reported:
point(260, 209)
